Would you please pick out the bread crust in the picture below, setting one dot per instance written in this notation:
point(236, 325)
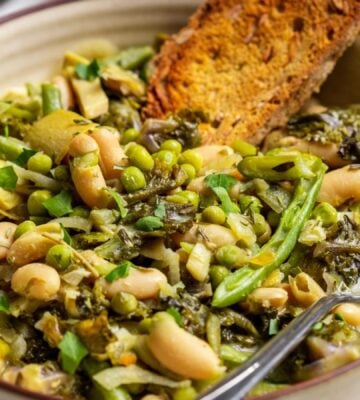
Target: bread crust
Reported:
point(250, 64)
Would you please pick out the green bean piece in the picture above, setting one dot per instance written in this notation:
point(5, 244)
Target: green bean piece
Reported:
point(171, 145)
point(132, 179)
point(190, 172)
point(185, 196)
point(217, 274)
point(326, 213)
point(24, 227)
point(130, 135)
point(167, 158)
point(59, 256)
point(191, 157)
point(243, 148)
point(51, 98)
point(11, 147)
point(185, 393)
point(214, 215)
point(134, 57)
point(247, 202)
point(124, 303)
point(61, 173)
point(213, 332)
point(40, 163)
point(239, 284)
point(277, 168)
point(140, 157)
point(234, 356)
point(35, 203)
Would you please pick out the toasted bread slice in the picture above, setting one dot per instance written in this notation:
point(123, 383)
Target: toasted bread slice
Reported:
point(249, 64)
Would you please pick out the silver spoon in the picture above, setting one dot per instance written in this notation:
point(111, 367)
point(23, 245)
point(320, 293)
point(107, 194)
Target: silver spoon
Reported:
point(239, 382)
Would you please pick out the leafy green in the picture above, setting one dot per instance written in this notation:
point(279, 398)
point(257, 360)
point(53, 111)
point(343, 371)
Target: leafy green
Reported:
point(4, 302)
point(88, 72)
point(120, 202)
point(23, 158)
point(220, 180)
point(160, 211)
point(176, 315)
point(149, 224)
point(60, 204)
point(226, 204)
point(67, 237)
point(8, 177)
point(122, 271)
point(72, 351)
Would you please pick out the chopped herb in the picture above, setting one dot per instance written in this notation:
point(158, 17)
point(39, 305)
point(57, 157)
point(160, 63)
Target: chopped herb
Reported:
point(160, 211)
point(273, 327)
point(8, 177)
point(176, 315)
point(149, 224)
point(60, 204)
point(338, 317)
point(220, 180)
point(23, 158)
point(122, 271)
point(4, 302)
point(318, 326)
point(88, 72)
point(67, 237)
point(72, 351)
point(226, 204)
point(120, 202)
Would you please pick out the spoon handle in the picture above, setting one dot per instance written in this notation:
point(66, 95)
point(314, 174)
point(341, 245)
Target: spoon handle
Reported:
point(238, 383)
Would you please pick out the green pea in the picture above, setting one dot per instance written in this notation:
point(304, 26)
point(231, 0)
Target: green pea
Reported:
point(185, 393)
point(247, 203)
point(87, 160)
point(191, 157)
point(124, 303)
point(59, 256)
point(166, 157)
point(217, 274)
point(260, 224)
point(171, 145)
point(273, 218)
point(61, 173)
point(140, 157)
point(185, 196)
point(145, 325)
point(326, 213)
point(190, 171)
point(35, 202)
point(80, 211)
point(231, 255)
point(243, 148)
point(214, 215)
point(130, 135)
point(24, 227)
point(132, 179)
point(40, 163)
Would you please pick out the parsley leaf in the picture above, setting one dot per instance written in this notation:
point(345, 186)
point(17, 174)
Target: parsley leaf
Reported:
point(23, 158)
point(8, 177)
point(4, 302)
point(60, 204)
point(120, 202)
point(88, 72)
point(220, 180)
point(72, 351)
point(160, 211)
point(67, 237)
point(176, 315)
point(273, 327)
point(122, 271)
point(149, 224)
point(226, 204)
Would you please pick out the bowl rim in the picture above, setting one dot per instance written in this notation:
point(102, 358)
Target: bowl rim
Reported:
point(278, 394)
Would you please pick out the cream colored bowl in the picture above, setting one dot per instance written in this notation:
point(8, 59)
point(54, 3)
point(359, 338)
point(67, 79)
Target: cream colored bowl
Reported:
point(31, 47)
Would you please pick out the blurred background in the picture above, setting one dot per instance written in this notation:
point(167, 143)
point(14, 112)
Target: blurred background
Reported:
point(8, 7)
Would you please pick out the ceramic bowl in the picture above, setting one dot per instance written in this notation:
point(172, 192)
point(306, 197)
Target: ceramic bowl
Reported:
point(32, 45)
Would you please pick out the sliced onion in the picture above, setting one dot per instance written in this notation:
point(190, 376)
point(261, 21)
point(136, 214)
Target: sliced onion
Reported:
point(82, 224)
point(111, 378)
